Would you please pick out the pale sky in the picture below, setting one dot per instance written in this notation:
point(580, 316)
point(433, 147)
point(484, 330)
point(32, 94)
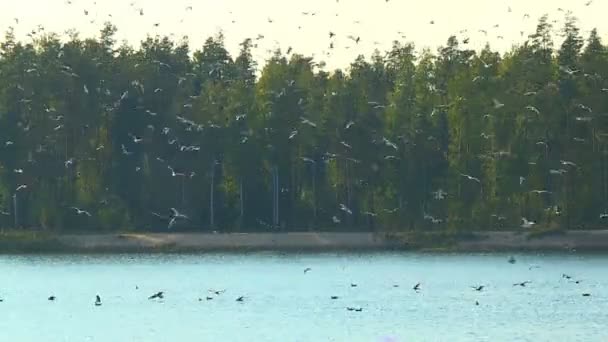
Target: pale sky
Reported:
point(376, 22)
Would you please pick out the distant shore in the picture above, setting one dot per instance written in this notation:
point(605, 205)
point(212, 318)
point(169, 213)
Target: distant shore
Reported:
point(589, 240)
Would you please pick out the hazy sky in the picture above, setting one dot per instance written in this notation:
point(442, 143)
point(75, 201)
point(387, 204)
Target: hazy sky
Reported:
point(376, 22)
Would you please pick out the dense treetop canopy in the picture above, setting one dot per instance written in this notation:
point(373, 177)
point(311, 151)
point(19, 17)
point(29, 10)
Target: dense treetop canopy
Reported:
point(95, 136)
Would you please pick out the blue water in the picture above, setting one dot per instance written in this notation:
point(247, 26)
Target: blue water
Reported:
point(284, 304)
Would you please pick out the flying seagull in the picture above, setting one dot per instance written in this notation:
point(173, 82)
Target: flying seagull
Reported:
point(81, 212)
point(471, 178)
point(176, 215)
point(527, 224)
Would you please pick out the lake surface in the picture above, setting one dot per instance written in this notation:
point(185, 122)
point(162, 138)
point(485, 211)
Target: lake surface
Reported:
point(282, 303)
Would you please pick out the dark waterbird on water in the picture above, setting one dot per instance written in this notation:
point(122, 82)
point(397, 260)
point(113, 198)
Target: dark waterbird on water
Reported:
point(512, 260)
point(522, 284)
point(586, 294)
point(478, 288)
point(416, 287)
point(159, 295)
point(97, 300)
point(334, 297)
point(51, 298)
point(240, 299)
point(307, 269)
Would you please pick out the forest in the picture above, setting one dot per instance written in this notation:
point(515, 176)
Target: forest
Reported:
point(99, 136)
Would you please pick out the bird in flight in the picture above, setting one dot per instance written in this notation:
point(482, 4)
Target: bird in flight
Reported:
point(345, 209)
point(81, 212)
point(471, 178)
point(176, 215)
point(527, 224)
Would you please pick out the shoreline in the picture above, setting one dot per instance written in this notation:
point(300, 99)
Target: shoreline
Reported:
point(490, 241)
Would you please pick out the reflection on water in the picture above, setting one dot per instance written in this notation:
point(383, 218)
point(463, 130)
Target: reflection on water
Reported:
point(281, 302)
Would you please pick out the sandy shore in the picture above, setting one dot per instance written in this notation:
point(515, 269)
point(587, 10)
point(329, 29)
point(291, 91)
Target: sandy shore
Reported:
point(236, 242)
point(482, 241)
point(581, 240)
point(32, 242)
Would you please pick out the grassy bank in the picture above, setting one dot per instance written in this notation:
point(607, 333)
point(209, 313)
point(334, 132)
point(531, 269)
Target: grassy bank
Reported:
point(24, 241)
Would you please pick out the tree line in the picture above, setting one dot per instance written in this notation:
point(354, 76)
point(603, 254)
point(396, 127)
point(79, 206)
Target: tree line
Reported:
point(97, 136)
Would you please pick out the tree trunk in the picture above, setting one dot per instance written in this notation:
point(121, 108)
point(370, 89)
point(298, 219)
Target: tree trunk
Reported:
point(241, 200)
point(15, 210)
point(211, 211)
point(277, 194)
point(314, 192)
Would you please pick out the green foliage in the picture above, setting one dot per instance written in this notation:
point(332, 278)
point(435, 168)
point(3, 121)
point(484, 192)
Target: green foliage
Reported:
point(437, 143)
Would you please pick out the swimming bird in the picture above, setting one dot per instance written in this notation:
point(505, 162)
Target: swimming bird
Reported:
point(564, 275)
point(478, 288)
point(51, 298)
point(240, 299)
point(217, 292)
point(307, 269)
point(586, 294)
point(159, 295)
point(522, 284)
point(97, 300)
point(334, 297)
point(416, 287)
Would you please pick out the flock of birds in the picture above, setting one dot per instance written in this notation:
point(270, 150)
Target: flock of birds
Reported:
point(352, 39)
point(174, 216)
point(213, 293)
